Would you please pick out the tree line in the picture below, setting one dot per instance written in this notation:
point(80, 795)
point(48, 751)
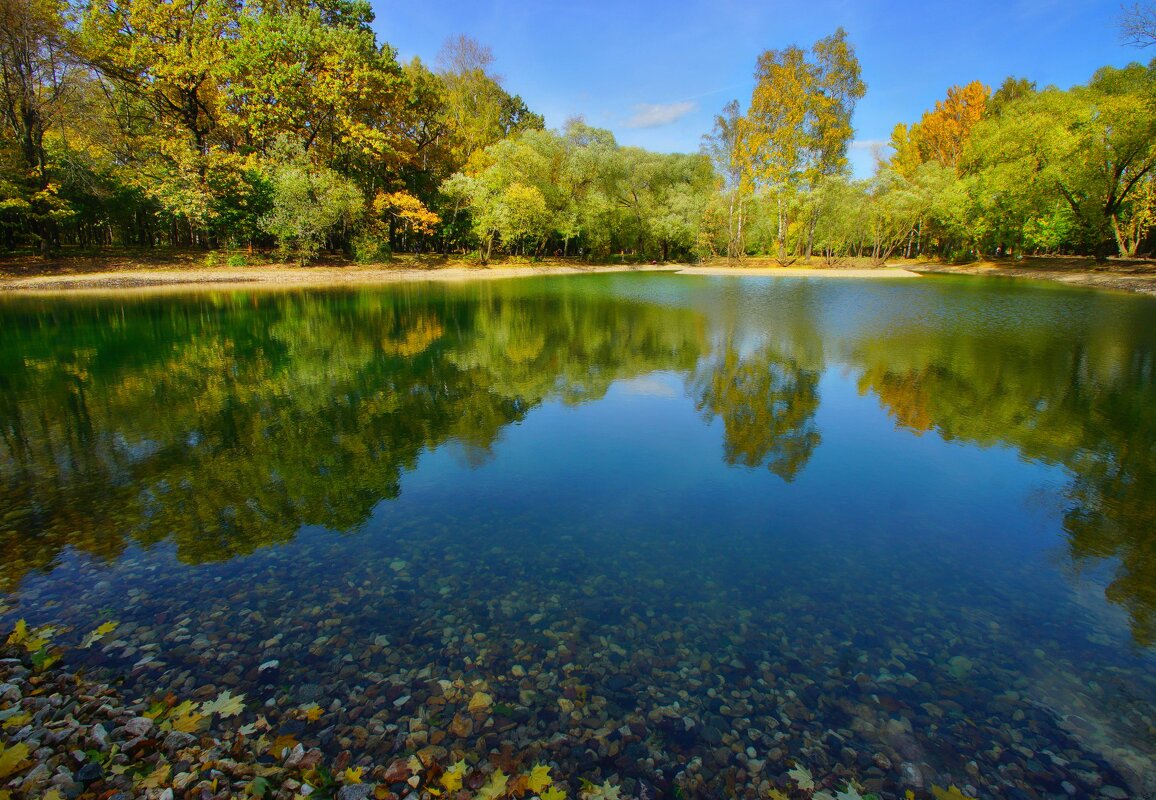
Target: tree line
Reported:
point(230, 125)
point(1021, 170)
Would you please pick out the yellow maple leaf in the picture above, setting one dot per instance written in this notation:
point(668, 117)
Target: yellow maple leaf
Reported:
point(225, 705)
point(52, 794)
point(553, 793)
point(19, 632)
point(802, 776)
point(11, 758)
point(451, 779)
point(352, 775)
point(99, 632)
point(495, 787)
point(281, 745)
point(186, 718)
point(32, 640)
point(17, 721)
point(608, 792)
point(950, 793)
point(539, 778)
point(312, 712)
point(158, 777)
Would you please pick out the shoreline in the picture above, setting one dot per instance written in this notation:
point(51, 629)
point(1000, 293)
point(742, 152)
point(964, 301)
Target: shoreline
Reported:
point(278, 277)
point(1137, 279)
point(802, 272)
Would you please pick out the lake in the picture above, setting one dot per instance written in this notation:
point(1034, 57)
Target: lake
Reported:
point(681, 534)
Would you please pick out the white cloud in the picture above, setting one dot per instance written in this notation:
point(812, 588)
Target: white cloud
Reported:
point(654, 115)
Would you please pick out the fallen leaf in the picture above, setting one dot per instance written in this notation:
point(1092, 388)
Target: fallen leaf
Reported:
point(100, 632)
point(495, 787)
point(17, 721)
point(281, 745)
point(33, 639)
point(11, 758)
point(950, 793)
point(158, 777)
point(186, 718)
point(539, 778)
point(19, 632)
point(226, 705)
point(608, 792)
point(451, 779)
point(352, 775)
point(312, 712)
point(802, 776)
point(553, 793)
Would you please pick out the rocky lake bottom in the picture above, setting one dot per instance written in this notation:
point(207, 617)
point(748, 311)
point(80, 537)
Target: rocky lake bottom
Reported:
point(715, 552)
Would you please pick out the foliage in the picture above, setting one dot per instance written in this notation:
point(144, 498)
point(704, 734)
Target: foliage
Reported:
point(798, 127)
point(309, 202)
point(245, 123)
point(12, 757)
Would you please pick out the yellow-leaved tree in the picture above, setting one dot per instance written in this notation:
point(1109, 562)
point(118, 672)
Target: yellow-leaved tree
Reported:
point(798, 128)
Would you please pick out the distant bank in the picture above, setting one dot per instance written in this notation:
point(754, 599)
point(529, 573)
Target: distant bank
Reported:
point(142, 275)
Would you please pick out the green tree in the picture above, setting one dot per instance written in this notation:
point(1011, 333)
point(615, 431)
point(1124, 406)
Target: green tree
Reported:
point(35, 80)
point(725, 148)
point(329, 86)
point(1092, 147)
point(309, 203)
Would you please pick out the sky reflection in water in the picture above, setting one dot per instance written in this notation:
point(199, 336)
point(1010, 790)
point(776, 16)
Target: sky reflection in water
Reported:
point(912, 513)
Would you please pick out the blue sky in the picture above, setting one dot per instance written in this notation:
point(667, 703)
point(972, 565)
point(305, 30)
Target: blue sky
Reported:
point(656, 73)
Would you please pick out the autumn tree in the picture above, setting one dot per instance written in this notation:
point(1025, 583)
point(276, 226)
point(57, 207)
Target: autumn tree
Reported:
point(725, 147)
point(479, 111)
point(35, 78)
point(799, 122)
point(329, 86)
point(167, 53)
point(166, 59)
point(944, 131)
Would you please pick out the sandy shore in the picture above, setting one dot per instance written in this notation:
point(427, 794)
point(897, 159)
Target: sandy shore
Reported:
point(1125, 276)
point(284, 277)
point(1136, 277)
point(804, 272)
point(208, 278)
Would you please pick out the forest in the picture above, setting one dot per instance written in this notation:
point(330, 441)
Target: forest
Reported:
point(284, 128)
